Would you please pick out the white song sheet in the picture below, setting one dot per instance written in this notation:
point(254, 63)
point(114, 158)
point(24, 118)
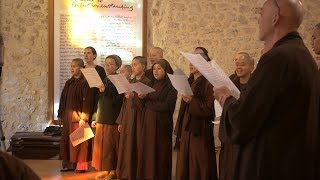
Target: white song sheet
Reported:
point(81, 134)
point(181, 84)
point(214, 74)
point(92, 77)
point(141, 88)
point(121, 83)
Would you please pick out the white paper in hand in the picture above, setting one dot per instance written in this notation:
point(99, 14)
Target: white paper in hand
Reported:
point(81, 135)
point(121, 83)
point(214, 74)
point(141, 88)
point(92, 77)
point(181, 84)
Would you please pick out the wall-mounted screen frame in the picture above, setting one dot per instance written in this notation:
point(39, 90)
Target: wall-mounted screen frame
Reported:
point(110, 26)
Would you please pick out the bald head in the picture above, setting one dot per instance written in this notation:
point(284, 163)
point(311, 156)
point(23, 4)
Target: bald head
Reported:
point(244, 65)
point(278, 18)
point(155, 54)
point(291, 11)
point(245, 56)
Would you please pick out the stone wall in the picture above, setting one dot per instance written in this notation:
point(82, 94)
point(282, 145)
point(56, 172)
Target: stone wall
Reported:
point(224, 27)
point(24, 80)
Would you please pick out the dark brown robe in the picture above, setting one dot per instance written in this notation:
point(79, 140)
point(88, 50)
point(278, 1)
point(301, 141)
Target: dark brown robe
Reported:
point(130, 118)
point(196, 156)
point(229, 152)
point(275, 122)
point(155, 151)
point(75, 104)
point(149, 74)
point(13, 168)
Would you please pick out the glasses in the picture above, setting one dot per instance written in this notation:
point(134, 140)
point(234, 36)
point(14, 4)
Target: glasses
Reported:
point(277, 5)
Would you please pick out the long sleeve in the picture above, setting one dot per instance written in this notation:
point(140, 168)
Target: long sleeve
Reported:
point(203, 107)
point(242, 119)
point(110, 89)
point(62, 102)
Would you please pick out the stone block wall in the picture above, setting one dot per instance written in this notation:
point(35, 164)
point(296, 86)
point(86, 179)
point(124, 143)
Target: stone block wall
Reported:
point(224, 27)
point(24, 80)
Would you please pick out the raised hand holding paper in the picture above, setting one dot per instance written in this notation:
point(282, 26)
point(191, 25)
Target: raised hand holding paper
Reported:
point(92, 77)
point(214, 74)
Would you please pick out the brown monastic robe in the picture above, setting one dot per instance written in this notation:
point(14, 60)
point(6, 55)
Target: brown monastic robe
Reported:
point(13, 168)
point(229, 152)
point(155, 149)
point(75, 104)
point(196, 156)
point(275, 122)
point(130, 118)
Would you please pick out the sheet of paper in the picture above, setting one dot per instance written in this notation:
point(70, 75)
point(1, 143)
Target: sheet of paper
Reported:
point(81, 134)
point(121, 83)
point(213, 73)
point(181, 84)
point(217, 108)
point(92, 77)
point(141, 88)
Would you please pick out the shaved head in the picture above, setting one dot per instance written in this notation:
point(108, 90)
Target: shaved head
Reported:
point(278, 18)
point(155, 54)
point(246, 57)
point(292, 11)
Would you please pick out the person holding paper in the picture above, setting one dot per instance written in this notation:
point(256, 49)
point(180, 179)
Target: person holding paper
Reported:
point(275, 121)
point(90, 54)
point(75, 109)
point(196, 157)
point(204, 51)
point(244, 64)
point(107, 136)
point(155, 151)
point(155, 54)
point(130, 123)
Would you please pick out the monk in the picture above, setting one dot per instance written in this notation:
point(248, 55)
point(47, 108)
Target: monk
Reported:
point(75, 110)
point(155, 151)
point(275, 122)
point(244, 65)
point(130, 124)
point(155, 54)
point(196, 156)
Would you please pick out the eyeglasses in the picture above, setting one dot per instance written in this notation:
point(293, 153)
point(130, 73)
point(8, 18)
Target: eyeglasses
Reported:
point(277, 5)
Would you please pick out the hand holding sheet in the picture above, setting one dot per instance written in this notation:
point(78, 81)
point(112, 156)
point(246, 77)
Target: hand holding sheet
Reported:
point(92, 77)
point(81, 134)
point(121, 83)
point(181, 84)
point(214, 74)
point(141, 88)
